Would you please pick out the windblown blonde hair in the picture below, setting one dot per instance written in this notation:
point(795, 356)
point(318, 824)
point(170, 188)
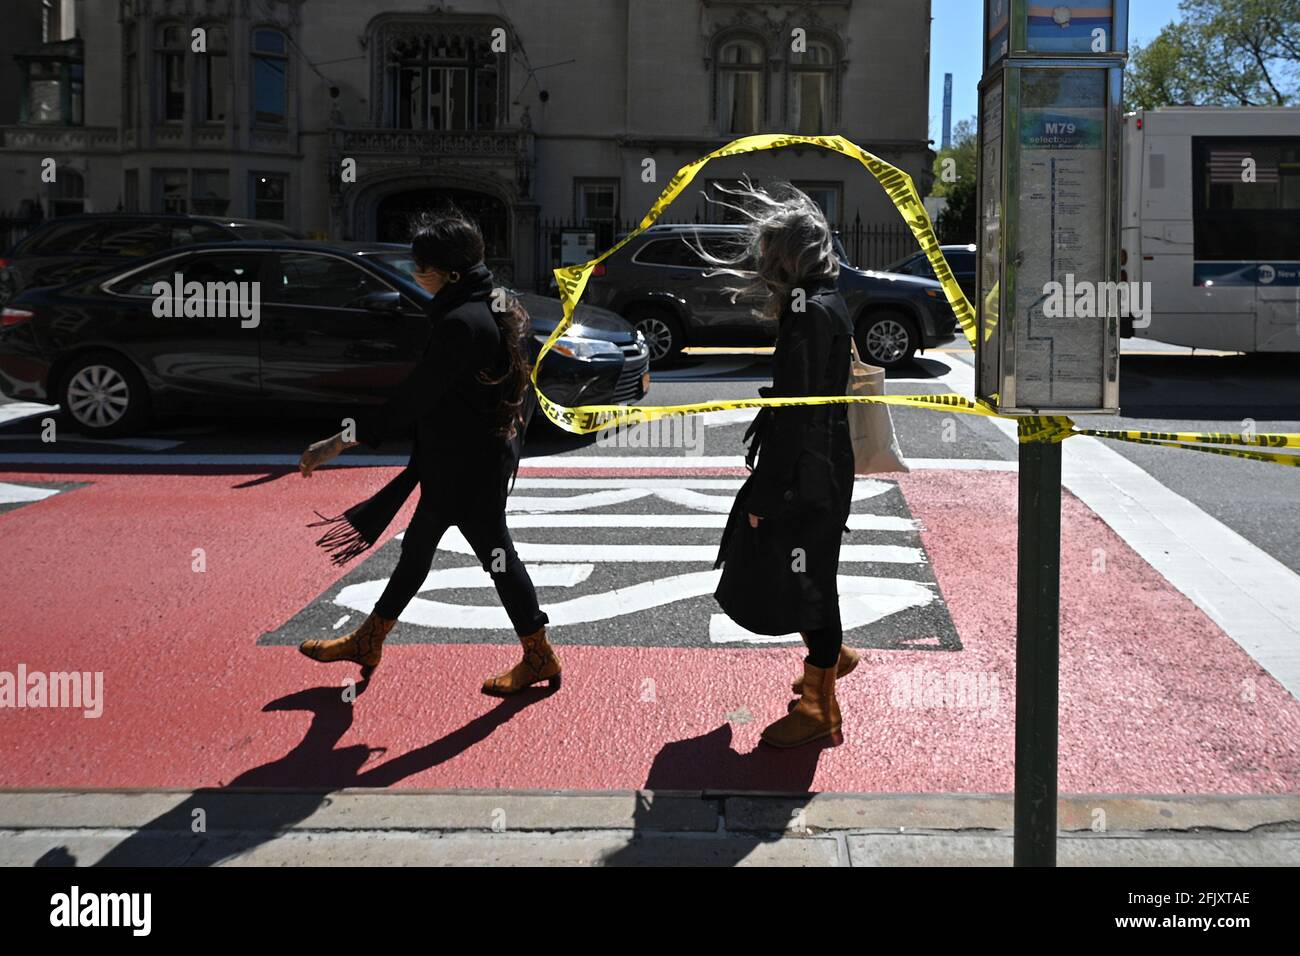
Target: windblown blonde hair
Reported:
point(786, 242)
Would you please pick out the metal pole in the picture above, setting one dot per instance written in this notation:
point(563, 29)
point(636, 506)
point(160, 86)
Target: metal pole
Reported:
point(1038, 604)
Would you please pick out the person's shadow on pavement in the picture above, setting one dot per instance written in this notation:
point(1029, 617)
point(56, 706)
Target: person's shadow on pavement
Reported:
point(708, 762)
point(274, 796)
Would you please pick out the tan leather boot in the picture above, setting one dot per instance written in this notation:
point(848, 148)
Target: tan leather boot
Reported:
point(539, 664)
point(816, 715)
point(849, 659)
point(363, 646)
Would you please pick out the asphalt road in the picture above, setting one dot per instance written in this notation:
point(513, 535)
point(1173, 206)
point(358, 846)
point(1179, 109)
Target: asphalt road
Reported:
point(1162, 388)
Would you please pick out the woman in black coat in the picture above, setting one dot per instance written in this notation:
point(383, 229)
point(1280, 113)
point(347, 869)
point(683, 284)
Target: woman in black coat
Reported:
point(463, 407)
point(780, 550)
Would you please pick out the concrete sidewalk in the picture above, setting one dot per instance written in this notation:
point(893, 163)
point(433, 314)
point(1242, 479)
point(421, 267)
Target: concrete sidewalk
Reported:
point(368, 827)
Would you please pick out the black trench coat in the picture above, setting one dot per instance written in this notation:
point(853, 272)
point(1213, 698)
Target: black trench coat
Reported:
point(450, 413)
point(780, 577)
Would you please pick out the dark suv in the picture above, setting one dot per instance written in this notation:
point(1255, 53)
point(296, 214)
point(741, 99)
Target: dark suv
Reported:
point(961, 260)
point(67, 248)
point(659, 284)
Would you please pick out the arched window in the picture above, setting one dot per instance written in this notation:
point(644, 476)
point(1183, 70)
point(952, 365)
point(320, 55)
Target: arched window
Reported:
point(169, 72)
point(442, 81)
point(740, 81)
point(213, 74)
point(270, 77)
point(812, 92)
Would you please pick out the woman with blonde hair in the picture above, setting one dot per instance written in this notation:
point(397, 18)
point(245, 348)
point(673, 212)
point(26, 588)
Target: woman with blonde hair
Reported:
point(780, 550)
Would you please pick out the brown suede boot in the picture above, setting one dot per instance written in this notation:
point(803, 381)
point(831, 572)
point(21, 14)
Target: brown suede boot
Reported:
point(849, 659)
point(363, 646)
point(816, 715)
point(539, 664)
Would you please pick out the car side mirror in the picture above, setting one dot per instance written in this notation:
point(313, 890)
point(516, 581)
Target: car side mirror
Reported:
point(385, 300)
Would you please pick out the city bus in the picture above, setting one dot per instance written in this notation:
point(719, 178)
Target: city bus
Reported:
point(1211, 218)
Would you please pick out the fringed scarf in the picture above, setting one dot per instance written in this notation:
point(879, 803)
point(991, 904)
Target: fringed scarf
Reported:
point(358, 528)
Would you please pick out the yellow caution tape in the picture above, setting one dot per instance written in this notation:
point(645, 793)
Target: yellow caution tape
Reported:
point(898, 185)
point(1044, 429)
point(1275, 458)
point(1204, 438)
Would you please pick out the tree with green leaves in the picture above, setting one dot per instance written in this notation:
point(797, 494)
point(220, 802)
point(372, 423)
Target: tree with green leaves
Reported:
point(955, 177)
point(1222, 53)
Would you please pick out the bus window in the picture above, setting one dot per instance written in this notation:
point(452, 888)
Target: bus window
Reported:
point(1246, 198)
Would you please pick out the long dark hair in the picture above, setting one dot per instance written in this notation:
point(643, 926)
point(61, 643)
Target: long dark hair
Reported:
point(450, 240)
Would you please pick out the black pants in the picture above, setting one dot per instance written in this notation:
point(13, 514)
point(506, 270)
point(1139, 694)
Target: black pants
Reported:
point(486, 532)
point(824, 645)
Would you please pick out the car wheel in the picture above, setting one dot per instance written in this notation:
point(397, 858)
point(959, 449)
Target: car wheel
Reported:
point(887, 339)
point(105, 395)
point(662, 331)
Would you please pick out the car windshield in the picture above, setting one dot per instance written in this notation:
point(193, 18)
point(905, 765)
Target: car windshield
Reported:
point(840, 250)
point(919, 265)
point(400, 262)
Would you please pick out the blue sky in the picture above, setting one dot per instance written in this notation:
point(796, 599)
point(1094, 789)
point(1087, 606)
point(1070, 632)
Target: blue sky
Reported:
point(955, 49)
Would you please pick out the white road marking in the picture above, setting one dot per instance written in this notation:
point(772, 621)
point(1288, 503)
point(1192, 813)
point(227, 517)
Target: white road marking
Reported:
point(865, 522)
point(591, 499)
point(686, 497)
point(1249, 594)
point(455, 542)
point(632, 462)
point(962, 464)
point(862, 600)
point(15, 494)
point(652, 484)
point(473, 576)
point(729, 416)
point(689, 498)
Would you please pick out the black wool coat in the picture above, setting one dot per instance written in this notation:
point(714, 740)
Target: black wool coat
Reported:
point(780, 577)
point(449, 412)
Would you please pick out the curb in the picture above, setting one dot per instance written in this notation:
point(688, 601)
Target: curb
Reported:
point(670, 811)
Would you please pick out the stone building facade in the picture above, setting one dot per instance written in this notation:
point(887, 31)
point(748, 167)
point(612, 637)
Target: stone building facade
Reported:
point(518, 110)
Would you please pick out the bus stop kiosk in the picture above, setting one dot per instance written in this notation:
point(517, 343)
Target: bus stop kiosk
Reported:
point(1048, 332)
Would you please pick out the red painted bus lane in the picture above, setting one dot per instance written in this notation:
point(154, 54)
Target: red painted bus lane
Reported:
point(102, 578)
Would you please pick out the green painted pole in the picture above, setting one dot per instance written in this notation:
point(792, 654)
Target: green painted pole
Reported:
point(1038, 619)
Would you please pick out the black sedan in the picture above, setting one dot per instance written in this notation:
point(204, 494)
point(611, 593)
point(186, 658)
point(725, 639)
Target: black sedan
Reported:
point(295, 329)
point(68, 248)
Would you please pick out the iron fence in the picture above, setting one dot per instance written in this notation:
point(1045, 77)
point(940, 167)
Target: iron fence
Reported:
point(15, 225)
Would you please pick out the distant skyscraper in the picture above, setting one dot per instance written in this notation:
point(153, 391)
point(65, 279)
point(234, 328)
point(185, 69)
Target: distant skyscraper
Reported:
point(947, 110)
